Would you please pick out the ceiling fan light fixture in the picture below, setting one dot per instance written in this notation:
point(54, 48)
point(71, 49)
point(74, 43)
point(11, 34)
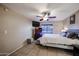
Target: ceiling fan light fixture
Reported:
point(41, 19)
point(45, 16)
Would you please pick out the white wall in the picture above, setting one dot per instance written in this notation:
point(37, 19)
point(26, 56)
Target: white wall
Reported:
point(14, 30)
point(77, 18)
point(58, 26)
point(66, 22)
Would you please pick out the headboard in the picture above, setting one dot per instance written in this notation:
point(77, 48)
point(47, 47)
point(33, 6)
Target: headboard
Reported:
point(73, 30)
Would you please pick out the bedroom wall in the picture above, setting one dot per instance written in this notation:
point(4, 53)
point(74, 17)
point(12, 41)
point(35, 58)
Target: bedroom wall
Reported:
point(77, 18)
point(14, 30)
point(66, 22)
point(58, 26)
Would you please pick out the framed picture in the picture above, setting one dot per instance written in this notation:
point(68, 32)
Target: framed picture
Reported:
point(72, 19)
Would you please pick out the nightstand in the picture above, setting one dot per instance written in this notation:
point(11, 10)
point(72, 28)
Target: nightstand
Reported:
point(76, 50)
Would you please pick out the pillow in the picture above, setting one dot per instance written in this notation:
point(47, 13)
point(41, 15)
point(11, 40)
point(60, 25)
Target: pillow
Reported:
point(67, 34)
point(64, 34)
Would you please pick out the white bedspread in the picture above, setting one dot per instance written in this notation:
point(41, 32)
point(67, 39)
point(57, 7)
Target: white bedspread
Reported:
point(57, 39)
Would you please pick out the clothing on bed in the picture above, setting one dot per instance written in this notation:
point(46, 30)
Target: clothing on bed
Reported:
point(73, 35)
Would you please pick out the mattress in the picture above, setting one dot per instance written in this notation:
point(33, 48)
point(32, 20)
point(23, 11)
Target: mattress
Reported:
point(57, 39)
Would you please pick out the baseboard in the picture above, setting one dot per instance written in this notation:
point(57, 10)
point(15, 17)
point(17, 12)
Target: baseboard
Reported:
point(4, 54)
point(15, 50)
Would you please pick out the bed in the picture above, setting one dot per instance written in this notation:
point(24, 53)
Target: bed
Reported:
point(57, 40)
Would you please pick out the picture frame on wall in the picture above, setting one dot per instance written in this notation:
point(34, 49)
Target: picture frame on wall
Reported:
point(72, 19)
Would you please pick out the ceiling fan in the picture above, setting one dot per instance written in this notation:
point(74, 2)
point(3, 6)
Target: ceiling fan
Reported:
point(45, 16)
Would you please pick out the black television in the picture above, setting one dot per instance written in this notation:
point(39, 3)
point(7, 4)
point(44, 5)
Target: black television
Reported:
point(35, 24)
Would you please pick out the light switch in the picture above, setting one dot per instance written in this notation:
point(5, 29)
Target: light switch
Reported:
point(5, 31)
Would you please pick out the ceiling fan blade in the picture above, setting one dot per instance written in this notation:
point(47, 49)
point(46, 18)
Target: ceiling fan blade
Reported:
point(37, 16)
point(40, 17)
point(52, 17)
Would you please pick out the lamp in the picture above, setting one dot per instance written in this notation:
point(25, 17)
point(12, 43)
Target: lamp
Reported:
point(65, 29)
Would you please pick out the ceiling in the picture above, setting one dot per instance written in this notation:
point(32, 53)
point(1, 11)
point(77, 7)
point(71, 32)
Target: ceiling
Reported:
point(31, 10)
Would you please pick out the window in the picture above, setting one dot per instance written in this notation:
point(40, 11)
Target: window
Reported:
point(47, 28)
